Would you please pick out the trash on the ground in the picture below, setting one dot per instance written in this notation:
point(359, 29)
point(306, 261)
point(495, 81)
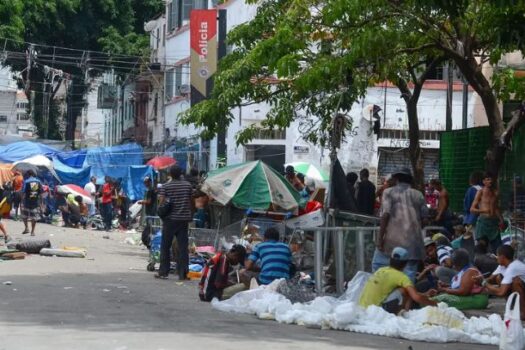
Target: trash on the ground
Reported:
point(67, 288)
point(65, 253)
point(33, 246)
point(105, 236)
point(7, 283)
point(133, 240)
point(122, 287)
point(106, 290)
point(195, 267)
point(13, 255)
point(179, 283)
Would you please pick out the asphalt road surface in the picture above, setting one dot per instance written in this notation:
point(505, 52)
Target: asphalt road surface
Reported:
point(109, 301)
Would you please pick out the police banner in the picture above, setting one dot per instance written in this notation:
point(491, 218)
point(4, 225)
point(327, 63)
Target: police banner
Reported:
point(203, 56)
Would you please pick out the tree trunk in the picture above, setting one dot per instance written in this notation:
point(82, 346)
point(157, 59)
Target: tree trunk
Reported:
point(414, 148)
point(496, 152)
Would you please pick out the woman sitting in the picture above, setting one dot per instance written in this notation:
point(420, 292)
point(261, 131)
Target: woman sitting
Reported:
point(464, 291)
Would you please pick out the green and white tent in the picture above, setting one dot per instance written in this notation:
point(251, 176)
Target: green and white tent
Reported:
point(311, 172)
point(251, 185)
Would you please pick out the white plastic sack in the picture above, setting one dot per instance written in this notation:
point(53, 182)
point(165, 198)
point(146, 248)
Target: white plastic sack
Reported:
point(512, 330)
point(355, 287)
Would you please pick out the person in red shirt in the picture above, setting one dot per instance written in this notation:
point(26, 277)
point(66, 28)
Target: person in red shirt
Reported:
point(107, 203)
point(18, 185)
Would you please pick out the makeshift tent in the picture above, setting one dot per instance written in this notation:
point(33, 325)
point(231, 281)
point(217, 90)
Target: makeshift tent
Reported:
point(73, 159)
point(22, 150)
point(253, 185)
point(76, 191)
point(134, 184)
point(6, 174)
point(41, 162)
point(113, 161)
point(71, 175)
point(161, 162)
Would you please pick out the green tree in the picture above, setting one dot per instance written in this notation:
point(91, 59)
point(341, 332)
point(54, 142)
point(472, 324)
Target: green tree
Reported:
point(112, 26)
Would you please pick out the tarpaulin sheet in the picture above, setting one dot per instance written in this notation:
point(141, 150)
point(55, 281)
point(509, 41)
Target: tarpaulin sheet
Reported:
point(71, 175)
point(74, 159)
point(134, 184)
point(113, 161)
point(22, 150)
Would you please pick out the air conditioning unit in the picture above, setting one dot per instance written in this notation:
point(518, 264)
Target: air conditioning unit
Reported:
point(184, 89)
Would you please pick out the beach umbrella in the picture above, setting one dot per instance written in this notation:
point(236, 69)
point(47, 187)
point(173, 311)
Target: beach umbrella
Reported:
point(24, 167)
point(310, 171)
point(76, 191)
point(161, 162)
point(251, 185)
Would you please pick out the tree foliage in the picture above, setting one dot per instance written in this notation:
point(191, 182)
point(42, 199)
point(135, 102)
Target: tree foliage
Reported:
point(311, 59)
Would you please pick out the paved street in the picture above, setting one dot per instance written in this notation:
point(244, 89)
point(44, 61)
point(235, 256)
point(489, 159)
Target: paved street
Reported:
point(109, 301)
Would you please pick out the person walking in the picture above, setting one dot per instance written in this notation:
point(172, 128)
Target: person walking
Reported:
point(366, 194)
point(402, 211)
point(107, 203)
point(179, 193)
point(18, 186)
point(490, 219)
point(91, 188)
point(31, 201)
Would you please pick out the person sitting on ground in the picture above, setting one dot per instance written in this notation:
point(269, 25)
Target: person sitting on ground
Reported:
point(509, 277)
point(84, 211)
point(74, 210)
point(485, 261)
point(437, 267)
point(274, 258)
point(464, 292)
point(215, 276)
point(390, 288)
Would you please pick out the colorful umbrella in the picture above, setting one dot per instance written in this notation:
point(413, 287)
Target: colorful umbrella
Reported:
point(310, 171)
point(253, 185)
point(76, 191)
point(161, 162)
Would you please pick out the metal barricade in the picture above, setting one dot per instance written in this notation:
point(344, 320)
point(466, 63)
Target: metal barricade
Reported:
point(339, 235)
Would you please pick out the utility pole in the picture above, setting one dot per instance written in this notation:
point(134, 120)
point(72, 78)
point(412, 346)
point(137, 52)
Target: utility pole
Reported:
point(465, 103)
point(85, 70)
point(450, 88)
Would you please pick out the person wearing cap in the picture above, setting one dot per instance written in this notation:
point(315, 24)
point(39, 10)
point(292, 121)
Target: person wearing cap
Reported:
point(293, 179)
point(273, 259)
point(403, 209)
point(390, 288)
point(438, 266)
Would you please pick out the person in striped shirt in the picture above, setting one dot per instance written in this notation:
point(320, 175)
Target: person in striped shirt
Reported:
point(271, 257)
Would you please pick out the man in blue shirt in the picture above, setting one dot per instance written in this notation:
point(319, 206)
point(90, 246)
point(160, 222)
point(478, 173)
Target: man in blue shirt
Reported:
point(273, 256)
point(475, 185)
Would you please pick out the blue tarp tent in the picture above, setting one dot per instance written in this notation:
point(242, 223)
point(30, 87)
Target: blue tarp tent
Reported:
point(22, 150)
point(134, 186)
point(71, 175)
point(74, 159)
point(113, 161)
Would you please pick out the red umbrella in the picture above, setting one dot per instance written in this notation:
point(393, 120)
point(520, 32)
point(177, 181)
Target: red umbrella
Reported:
point(76, 191)
point(161, 162)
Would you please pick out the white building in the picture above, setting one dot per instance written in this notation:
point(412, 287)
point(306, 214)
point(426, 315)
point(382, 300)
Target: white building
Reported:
point(14, 119)
point(361, 148)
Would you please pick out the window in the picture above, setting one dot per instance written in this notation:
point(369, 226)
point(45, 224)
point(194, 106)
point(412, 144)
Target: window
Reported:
point(179, 12)
point(3, 118)
point(200, 4)
point(169, 85)
point(21, 105)
point(158, 38)
point(164, 35)
point(156, 105)
point(178, 80)
point(22, 116)
point(106, 96)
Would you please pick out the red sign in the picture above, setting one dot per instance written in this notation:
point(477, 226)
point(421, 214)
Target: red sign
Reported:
point(203, 32)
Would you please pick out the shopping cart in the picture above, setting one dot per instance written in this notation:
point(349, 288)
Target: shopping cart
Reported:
point(154, 225)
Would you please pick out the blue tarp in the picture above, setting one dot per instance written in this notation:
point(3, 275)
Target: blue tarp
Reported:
point(134, 186)
point(74, 159)
point(71, 175)
point(113, 161)
point(21, 150)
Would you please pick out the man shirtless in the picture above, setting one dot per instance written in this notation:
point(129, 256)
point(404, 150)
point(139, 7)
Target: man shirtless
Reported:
point(443, 215)
point(486, 206)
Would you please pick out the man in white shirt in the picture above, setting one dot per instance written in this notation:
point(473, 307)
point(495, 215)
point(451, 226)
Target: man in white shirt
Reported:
point(509, 277)
point(91, 188)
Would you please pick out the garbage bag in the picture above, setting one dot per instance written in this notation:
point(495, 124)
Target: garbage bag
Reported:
point(512, 331)
point(355, 287)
